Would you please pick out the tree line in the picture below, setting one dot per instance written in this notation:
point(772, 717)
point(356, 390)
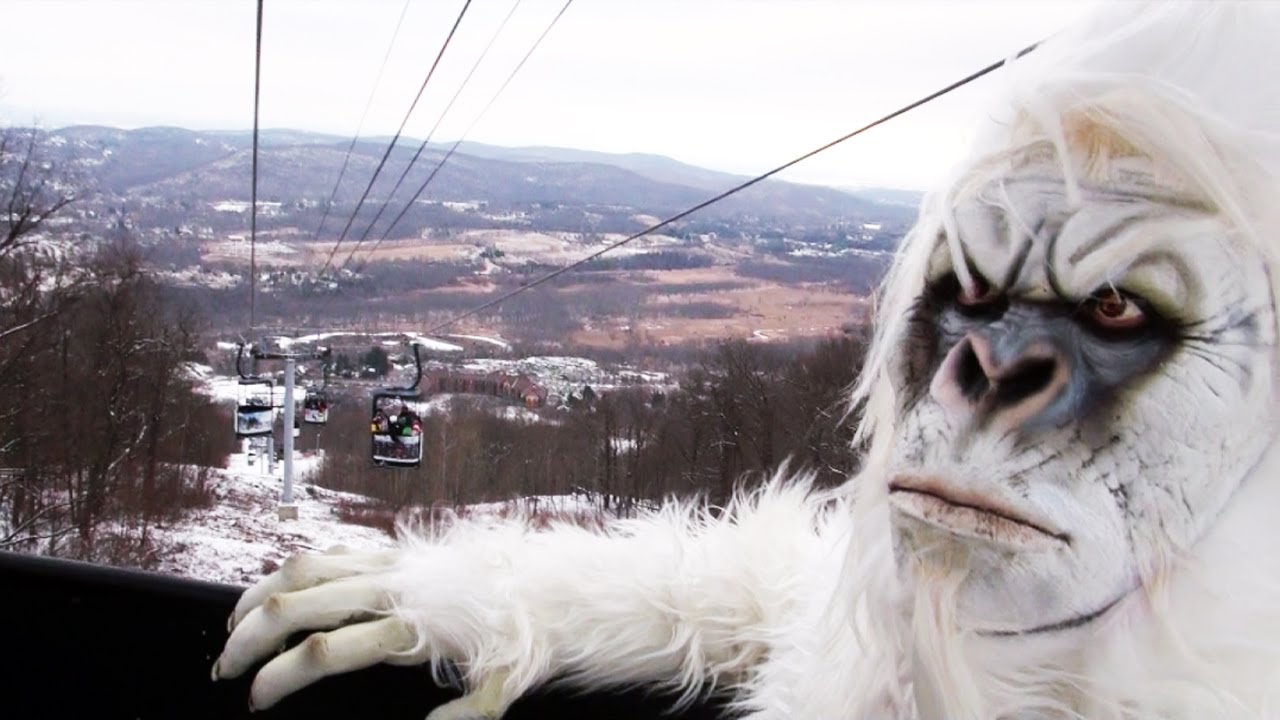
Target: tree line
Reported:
point(100, 428)
point(735, 416)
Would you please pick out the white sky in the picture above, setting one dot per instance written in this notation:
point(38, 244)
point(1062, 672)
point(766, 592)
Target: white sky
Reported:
point(737, 85)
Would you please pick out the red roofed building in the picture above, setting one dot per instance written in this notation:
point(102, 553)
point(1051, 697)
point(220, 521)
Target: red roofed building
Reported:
point(519, 387)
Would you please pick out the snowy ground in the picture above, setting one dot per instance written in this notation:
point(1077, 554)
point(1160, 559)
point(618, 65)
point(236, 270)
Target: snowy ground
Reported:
point(497, 342)
point(218, 387)
point(241, 538)
point(562, 375)
point(390, 339)
point(199, 277)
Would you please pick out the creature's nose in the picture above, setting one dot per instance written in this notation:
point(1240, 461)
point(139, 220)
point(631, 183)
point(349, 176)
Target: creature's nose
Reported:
point(1009, 386)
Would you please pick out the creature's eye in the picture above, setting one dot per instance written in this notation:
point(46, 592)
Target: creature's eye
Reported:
point(979, 296)
point(1111, 309)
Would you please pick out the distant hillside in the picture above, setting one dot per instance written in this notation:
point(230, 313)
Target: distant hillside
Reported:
point(294, 166)
point(654, 167)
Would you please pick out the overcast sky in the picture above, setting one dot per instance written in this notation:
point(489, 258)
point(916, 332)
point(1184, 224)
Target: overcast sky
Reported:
point(737, 85)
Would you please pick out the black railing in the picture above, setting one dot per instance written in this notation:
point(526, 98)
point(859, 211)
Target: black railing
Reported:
point(88, 642)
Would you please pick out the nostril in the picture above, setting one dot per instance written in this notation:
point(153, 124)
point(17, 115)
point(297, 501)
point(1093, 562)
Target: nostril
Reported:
point(1027, 379)
point(970, 376)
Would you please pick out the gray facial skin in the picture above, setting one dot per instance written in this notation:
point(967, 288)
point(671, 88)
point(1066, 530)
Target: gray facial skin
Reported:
point(1079, 405)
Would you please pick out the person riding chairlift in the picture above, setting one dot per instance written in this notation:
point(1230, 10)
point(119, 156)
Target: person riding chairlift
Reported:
point(410, 424)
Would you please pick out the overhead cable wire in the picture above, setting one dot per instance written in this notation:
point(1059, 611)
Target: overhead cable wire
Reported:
point(364, 236)
point(360, 126)
point(253, 183)
point(365, 195)
point(731, 191)
point(329, 300)
point(386, 233)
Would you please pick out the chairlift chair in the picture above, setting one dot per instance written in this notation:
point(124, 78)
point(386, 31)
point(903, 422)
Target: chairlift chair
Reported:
point(255, 403)
point(254, 408)
point(315, 405)
point(395, 428)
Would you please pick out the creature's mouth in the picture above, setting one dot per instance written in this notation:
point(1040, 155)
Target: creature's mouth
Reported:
point(971, 515)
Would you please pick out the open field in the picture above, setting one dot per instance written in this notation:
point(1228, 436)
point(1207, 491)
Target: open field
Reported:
point(291, 249)
point(760, 311)
point(736, 291)
point(406, 249)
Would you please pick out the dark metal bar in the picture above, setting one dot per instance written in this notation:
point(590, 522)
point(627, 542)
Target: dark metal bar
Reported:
point(88, 641)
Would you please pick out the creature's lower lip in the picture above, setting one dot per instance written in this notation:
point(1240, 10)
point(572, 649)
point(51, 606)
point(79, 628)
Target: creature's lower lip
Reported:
point(971, 517)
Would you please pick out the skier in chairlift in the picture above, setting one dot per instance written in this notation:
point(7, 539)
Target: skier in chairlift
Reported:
point(409, 424)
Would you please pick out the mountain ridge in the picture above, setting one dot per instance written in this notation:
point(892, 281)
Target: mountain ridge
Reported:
point(153, 153)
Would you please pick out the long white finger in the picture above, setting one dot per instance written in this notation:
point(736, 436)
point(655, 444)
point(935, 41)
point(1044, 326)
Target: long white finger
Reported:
point(303, 571)
point(346, 649)
point(487, 701)
point(264, 630)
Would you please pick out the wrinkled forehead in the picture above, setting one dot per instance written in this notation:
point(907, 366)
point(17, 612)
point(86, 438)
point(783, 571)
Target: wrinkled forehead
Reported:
point(1022, 233)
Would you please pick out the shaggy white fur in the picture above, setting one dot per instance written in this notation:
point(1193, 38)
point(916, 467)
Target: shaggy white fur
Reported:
point(833, 604)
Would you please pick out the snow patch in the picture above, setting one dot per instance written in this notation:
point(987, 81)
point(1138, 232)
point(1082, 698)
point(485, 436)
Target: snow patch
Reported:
point(563, 374)
point(416, 338)
point(481, 338)
point(217, 387)
point(241, 538)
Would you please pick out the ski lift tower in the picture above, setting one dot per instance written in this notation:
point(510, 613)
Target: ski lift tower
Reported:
point(288, 509)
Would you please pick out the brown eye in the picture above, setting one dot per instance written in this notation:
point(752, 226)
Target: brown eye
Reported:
point(1111, 309)
point(980, 294)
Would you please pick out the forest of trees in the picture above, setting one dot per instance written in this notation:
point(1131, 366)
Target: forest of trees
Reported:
point(737, 415)
point(100, 430)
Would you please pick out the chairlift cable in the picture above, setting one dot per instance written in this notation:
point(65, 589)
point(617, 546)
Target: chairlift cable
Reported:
point(360, 126)
point(391, 146)
point(445, 158)
point(731, 191)
point(386, 233)
point(253, 183)
point(364, 236)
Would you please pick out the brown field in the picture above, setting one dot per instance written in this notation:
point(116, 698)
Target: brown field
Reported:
point(274, 252)
point(442, 250)
point(412, 250)
point(268, 253)
point(716, 273)
point(765, 312)
point(762, 311)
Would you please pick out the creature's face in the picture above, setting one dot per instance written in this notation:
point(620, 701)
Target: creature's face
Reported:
point(1082, 410)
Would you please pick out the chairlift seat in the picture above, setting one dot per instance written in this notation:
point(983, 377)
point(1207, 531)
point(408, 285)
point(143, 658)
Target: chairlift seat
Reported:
point(254, 412)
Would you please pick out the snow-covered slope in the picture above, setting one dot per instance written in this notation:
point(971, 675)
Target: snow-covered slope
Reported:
point(241, 538)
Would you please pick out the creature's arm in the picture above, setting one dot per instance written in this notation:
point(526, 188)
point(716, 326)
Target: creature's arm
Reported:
point(675, 598)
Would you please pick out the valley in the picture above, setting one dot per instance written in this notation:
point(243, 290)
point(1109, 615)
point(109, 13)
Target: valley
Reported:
point(778, 263)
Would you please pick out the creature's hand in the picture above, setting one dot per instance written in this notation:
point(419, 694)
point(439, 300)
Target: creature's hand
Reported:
point(349, 595)
point(343, 593)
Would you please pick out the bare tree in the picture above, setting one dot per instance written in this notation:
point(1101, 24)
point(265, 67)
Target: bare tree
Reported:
point(95, 409)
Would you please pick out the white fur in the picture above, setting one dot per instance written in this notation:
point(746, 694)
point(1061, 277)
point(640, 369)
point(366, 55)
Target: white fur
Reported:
point(793, 600)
